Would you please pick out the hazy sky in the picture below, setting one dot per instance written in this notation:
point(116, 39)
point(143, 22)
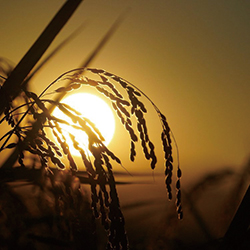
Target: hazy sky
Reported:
point(191, 57)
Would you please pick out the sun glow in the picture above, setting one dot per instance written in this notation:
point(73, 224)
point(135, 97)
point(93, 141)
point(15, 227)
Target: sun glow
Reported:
point(93, 108)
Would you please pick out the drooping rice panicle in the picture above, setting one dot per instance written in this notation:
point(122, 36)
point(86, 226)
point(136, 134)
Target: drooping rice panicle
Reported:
point(138, 110)
point(126, 101)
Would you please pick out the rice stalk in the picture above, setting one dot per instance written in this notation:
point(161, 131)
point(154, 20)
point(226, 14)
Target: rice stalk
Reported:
point(118, 102)
point(32, 116)
point(138, 110)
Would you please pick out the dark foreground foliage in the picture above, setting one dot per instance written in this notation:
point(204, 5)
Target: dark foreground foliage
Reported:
point(32, 117)
point(46, 164)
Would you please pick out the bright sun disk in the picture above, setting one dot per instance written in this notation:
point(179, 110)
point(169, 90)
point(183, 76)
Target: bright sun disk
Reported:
point(93, 108)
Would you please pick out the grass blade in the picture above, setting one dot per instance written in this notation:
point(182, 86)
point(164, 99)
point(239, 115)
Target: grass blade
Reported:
point(12, 85)
point(105, 39)
point(54, 52)
point(97, 50)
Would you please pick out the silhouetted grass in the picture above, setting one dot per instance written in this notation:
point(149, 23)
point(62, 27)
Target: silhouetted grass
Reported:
point(46, 202)
point(59, 213)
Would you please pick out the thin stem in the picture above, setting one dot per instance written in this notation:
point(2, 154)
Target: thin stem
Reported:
point(3, 77)
point(6, 135)
point(18, 123)
point(57, 79)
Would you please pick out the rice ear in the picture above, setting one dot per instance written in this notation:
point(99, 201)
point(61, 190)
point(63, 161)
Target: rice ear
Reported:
point(11, 145)
point(96, 130)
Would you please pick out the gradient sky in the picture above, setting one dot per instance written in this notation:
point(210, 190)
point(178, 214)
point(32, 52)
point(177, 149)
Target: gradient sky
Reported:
point(191, 57)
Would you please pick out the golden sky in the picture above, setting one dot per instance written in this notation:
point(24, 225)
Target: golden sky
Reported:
point(191, 57)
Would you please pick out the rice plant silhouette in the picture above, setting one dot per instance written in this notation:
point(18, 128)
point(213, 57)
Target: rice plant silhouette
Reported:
point(29, 115)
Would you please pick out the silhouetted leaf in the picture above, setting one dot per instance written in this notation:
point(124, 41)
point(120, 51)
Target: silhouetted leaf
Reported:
point(13, 84)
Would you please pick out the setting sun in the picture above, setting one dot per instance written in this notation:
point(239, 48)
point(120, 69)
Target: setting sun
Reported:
point(93, 108)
